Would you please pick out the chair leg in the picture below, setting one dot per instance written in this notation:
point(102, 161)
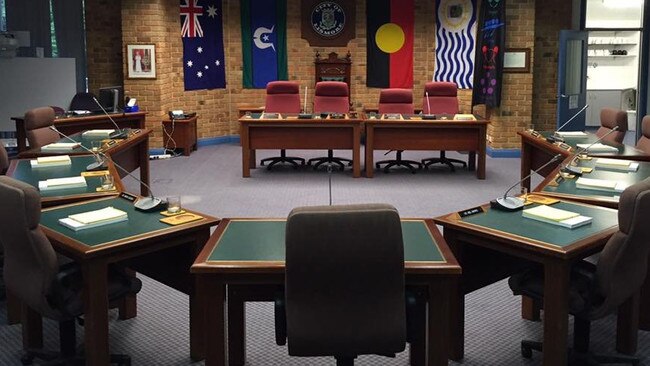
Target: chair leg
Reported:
point(581, 330)
point(283, 158)
point(527, 348)
point(616, 359)
point(344, 361)
point(68, 338)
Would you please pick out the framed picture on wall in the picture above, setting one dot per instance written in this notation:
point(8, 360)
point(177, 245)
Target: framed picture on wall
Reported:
point(141, 61)
point(516, 60)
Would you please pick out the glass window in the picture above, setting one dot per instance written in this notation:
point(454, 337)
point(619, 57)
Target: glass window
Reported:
point(614, 13)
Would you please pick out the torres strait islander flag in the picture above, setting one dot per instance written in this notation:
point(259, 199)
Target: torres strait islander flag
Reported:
point(390, 43)
point(264, 41)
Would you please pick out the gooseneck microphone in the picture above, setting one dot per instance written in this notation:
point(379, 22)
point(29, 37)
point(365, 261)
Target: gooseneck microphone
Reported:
point(146, 204)
point(118, 133)
point(304, 114)
point(507, 203)
point(555, 137)
point(428, 115)
point(568, 168)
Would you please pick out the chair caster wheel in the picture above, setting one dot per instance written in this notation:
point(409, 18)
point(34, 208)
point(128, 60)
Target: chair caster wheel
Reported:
point(27, 359)
point(526, 352)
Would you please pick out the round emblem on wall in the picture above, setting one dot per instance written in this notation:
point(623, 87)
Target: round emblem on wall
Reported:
point(328, 19)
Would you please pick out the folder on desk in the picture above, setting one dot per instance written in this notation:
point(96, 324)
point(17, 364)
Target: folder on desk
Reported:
point(464, 117)
point(47, 161)
point(617, 164)
point(98, 133)
point(61, 146)
point(556, 216)
point(573, 134)
point(90, 219)
point(597, 147)
point(62, 183)
point(601, 184)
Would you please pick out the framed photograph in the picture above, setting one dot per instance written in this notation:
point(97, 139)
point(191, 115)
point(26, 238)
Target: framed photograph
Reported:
point(141, 61)
point(516, 60)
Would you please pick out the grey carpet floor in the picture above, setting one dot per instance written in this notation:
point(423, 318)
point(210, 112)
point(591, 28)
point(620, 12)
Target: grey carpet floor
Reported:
point(210, 181)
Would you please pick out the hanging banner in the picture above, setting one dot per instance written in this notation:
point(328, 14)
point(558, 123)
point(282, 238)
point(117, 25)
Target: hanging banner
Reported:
point(455, 42)
point(488, 74)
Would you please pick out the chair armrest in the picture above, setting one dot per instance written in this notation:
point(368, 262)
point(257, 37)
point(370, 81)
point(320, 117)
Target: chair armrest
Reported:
point(280, 319)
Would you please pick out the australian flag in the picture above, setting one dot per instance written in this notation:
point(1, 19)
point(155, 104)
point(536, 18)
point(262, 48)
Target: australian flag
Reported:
point(203, 55)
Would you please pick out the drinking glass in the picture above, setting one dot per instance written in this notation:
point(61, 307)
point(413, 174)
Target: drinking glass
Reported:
point(174, 204)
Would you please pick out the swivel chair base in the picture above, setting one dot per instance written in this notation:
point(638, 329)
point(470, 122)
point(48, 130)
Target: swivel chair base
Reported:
point(344, 361)
point(443, 160)
point(340, 162)
point(410, 164)
point(283, 158)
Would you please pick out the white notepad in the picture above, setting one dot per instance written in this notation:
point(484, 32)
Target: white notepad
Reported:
point(61, 146)
point(62, 183)
point(572, 134)
point(597, 147)
point(556, 216)
point(601, 184)
point(90, 219)
point(45, 161)
point(617, 164)
point(97, 133)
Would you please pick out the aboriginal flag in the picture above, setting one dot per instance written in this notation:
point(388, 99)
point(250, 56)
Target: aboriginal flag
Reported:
point(390, 43)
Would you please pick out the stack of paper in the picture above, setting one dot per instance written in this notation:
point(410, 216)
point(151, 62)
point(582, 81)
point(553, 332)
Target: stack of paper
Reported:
point(556, 216)
point(97, 133)
point(617, 164)
point(597, 147)
point(464, 117)
point(601, 184)
point(44, 161)
point(61, 146)
point(572, 134)
point(62, 183)
point(90, 219)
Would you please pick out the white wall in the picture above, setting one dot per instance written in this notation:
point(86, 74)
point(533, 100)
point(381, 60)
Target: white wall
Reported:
point(34, 82)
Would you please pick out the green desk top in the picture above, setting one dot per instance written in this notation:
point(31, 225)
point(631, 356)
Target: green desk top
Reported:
point(139, 223)
point(515, 224)
point(25, 173)
point(263, 240)
point(623, 150)
point(77, 137)
point(568, 186)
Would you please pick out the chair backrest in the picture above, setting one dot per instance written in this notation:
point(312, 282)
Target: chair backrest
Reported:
point(37, 126)
point(610, 118)
point(4, 159)
point(331, 96)
point(345, 281)
point(644, 141)
point(30, 264)
point(282, 97)
point(396, 101)
point(622, 265)
point(443, 98)
point(83, 101)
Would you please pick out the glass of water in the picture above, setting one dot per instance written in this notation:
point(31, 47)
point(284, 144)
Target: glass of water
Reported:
point(108, 184)
point(174, 204)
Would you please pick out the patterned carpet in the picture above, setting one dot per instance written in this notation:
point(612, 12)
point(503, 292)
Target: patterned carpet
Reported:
point(210, 181)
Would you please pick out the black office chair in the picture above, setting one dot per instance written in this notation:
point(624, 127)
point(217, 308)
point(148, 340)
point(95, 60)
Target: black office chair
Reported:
point(344, 284)
point(32, 272)
point(83, 101)
point(598, 290)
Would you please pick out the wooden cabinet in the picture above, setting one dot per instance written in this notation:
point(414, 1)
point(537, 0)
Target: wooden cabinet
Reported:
point(180, 134)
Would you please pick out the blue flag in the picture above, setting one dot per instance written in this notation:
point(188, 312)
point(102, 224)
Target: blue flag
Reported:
point(203, 55)
point(264, 42)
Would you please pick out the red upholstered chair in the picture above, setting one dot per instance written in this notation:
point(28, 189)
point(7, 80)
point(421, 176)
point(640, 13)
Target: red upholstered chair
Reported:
point(37, 123)
point(282, 97)
point(610, 118)
point(443, 99)
point(331, 97)
point(397, 101)
point(644, 141)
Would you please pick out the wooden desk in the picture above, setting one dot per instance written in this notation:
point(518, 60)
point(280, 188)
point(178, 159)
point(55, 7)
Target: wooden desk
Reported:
point(493, 245)
point(182, 132)
point(231, 263)
point(536, 151)
point(144, 244)
point(130, 153)
point(71, 125)
point(293, 133)
point(418, 134)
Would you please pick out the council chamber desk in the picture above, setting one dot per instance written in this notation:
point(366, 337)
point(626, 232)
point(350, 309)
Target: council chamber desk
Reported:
point(130, 153)
point(414, 133)
point(493, 245)
point(144, 244)
point(245, 258)
point(289, 132)
point(71, 125)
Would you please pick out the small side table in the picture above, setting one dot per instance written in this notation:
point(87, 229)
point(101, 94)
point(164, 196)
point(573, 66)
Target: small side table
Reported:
point(183, 132)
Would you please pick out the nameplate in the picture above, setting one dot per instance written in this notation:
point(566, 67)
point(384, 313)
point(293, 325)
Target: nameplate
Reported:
point(470, 212)
point(111, 143)
point(135, 132)
point(127, 196)
point(564, 146)
point(535, 134)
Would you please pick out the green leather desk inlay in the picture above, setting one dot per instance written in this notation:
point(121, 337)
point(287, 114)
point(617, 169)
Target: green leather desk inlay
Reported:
point(623, 150)
point(138, 223)
point(259, 240)
point(25, 173)
point(568, 186)
point(514, 223)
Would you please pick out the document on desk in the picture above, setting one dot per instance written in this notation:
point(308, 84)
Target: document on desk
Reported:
point(47, 161)
point(97, 133)
point(90, 219)
point(555, 216)
point(573, 134)
point(617, 164)
point(597, 147)
point(61, 146)
point(62, 183)
point(601, 184)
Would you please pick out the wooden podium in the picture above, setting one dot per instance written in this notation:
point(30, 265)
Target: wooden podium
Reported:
point(183, 132)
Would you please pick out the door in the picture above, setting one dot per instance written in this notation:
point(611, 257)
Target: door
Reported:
point(572, 80)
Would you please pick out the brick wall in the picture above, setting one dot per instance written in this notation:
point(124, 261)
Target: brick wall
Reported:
point(157, 22)
point(104, 43)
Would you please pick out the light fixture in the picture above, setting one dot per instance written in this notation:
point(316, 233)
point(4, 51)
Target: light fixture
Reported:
point(622, 3)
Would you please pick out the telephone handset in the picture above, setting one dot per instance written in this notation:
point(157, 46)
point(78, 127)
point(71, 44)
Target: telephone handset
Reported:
point(179, 114)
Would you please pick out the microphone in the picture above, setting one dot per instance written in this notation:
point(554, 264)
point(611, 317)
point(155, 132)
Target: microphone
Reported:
point(118, 133)
point(428, 115)
point(145, 204)
point(555, 137)
point(304, 114)
point(567, 168)
point(506, 203)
